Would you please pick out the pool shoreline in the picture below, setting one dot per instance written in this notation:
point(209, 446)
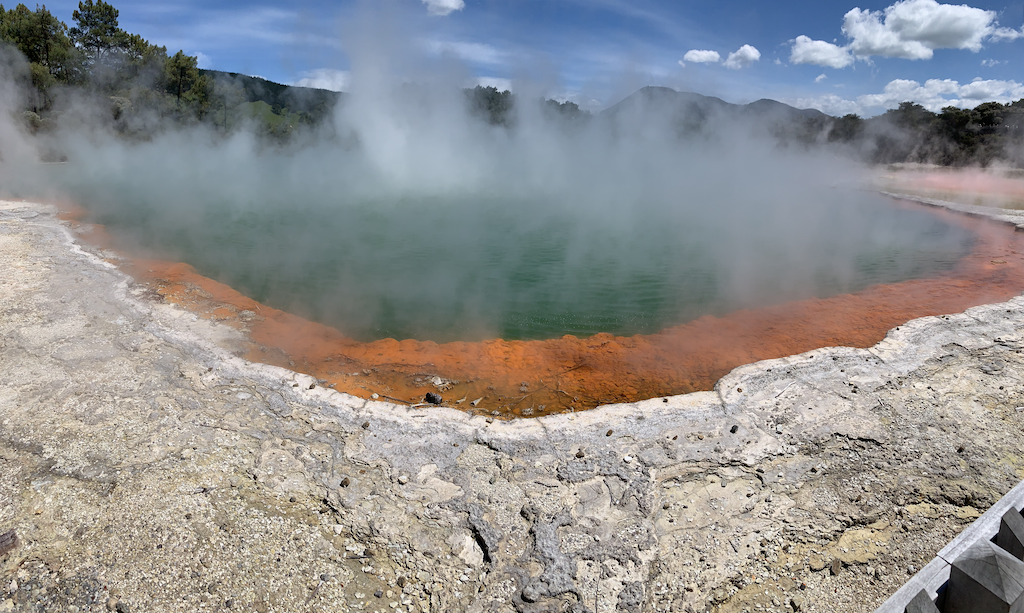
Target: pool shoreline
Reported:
point(511, 379)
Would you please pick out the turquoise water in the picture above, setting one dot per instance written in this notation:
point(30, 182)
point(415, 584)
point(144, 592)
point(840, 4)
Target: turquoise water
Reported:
point(475, 266)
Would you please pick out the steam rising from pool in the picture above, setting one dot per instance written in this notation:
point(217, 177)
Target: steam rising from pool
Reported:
point(409, 216)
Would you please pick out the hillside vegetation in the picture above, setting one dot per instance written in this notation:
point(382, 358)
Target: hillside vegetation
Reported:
point(96, 73)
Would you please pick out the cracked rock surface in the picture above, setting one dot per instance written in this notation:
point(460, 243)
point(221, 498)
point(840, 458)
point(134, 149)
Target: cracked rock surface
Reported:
point(144, 467)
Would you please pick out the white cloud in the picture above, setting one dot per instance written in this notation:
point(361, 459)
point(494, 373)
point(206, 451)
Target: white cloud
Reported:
point(702, 56)
point(934, 95)
point(913, 29)
point(820, 53)
point(820, 78)
point(1001, 34)
point(325, 78)
point(979, 90)
point(474, 53)
point(989, 63)
point(444, 7)
point(496, 82)
point(829, 104)
point(742, 57)
point(202, 60)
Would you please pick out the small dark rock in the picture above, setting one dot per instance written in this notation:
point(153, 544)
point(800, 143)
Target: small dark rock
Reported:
point(121, 607)
point(401, 582)
point(530, 593)
point(433, 398)
point(312, 385)
point(378, 593)
point(345, 482)
point(230, 603)
point(608, 433)
point(734, 429)
point(664, 399)
point(325, 577)
point(631, 598)
point(366, 425)
point(836, 567)
point(291, 499)
point(579, 454)
point(8, 541)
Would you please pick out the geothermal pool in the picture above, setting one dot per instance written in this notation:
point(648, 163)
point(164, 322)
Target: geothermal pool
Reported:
point(532, 284)
point(573, 313)
point(473, 267)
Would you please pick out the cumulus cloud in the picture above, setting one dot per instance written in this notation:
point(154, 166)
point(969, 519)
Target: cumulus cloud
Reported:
point(933, 94)
point(444, 7)
point(829, 104)
point(982, 90)
point(203, 61)
point(820, 53)
point(913, 29)
point(742, 57)
point(908, 29)
point(820, 78)
point(325, 78)
point(701, 56)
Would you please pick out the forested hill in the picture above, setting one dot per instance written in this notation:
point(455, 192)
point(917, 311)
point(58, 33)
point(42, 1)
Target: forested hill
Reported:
point(989, 133)
point(313, 104)
point(145, 89)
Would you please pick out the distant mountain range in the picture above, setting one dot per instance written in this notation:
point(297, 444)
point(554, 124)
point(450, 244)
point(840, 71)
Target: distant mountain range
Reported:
point(297, 98)
point(653, 98)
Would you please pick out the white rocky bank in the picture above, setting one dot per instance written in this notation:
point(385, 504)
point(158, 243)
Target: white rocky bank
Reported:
point(144, 467)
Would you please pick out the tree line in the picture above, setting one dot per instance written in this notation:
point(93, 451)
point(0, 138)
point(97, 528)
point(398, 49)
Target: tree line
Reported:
point(990, 132)
point(143, 87)
point(140, 85)
point(96, 57)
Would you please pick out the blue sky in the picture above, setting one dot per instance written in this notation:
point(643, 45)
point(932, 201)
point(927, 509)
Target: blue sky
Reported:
point(861, 57)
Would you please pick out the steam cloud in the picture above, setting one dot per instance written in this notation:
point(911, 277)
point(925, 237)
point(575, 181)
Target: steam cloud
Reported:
point(407, 214)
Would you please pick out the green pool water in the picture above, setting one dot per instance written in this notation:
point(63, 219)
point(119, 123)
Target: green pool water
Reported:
point(469, 266)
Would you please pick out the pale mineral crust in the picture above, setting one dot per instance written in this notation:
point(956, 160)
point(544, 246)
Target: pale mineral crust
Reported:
point(145, 467)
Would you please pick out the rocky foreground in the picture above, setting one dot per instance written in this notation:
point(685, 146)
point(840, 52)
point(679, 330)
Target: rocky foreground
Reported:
point(144, 467)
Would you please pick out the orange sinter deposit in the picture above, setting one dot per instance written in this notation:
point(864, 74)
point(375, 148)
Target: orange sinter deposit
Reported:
point(976, 186)
point(532, 378)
